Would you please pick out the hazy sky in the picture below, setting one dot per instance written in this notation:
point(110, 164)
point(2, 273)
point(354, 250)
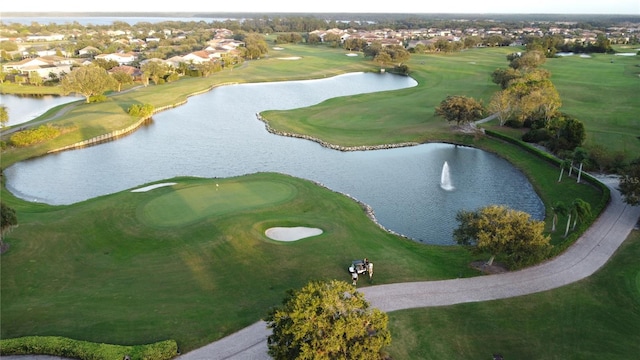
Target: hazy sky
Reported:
point(628, 7)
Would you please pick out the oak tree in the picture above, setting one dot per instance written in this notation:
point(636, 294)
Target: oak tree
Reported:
point(460, 109)
point(88, 81)
point(327, 320)
point(499, 230)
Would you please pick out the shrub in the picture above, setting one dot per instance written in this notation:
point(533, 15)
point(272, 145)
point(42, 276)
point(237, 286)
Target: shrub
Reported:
point(84, 350)
point(33, 136)
point(141, 111)
point(97, 98)
point(536, 136)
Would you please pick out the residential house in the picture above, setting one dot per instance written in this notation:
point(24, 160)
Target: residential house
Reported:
point(134, 72)
point(121, 58)
point(175, 61)
point(44, 66)
point(198, 57)
point(52, 37)
point(89, 51)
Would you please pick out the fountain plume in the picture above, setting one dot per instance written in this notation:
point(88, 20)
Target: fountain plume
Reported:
point(445, 178)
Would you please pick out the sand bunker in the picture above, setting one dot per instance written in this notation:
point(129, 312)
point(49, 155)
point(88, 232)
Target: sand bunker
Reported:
point(290, 58)
point(352, 54)
point(291, 233)
point(151, 187)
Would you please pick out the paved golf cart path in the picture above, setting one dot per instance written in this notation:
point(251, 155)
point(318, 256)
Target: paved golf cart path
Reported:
point(585, 257)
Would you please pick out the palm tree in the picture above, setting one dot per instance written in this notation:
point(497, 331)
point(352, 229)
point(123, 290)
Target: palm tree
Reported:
point(559, 209)
point(581, 210)
point(570, 211)
point(580, 155)
point(565, 164)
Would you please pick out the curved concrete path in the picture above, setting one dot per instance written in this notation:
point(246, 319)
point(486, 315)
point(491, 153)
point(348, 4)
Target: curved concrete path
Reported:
point(585, 257)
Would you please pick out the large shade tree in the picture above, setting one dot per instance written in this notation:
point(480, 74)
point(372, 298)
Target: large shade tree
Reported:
point(461, 109)
point(88, 81)
point(327, 320)
point(499, 230)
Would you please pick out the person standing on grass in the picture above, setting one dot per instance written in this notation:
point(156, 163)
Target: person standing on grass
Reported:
point(354, 277)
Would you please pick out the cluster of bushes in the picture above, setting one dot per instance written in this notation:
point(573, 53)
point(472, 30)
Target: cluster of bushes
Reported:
point(64, 347)
point(97, 98)
point(33, 136)
point(141, 111)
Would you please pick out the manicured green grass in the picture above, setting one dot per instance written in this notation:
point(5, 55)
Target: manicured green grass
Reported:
point(596, 318)
point(602, 91)
point(192, 204)
point(102, 271)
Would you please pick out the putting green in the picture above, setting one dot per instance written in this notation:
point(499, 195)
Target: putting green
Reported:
point(193, 203)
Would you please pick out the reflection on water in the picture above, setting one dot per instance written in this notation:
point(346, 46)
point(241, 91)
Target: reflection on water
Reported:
point(26, 108)
point(217, 135)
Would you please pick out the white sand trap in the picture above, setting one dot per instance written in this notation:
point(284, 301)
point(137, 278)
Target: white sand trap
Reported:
point(290, 58)
point(151, 187)
point(278, 48)
point(291, 233)
point(352, 54)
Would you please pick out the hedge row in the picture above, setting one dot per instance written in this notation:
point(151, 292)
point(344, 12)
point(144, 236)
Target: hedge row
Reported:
point(548, 157)
point(84, 350)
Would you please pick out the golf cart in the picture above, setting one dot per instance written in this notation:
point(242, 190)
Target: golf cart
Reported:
point(358, 266)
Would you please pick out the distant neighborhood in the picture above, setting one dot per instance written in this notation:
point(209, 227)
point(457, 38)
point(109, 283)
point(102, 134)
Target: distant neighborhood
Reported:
point(39, 53)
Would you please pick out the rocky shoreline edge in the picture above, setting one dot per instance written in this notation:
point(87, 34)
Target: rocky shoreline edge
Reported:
point(333, 146)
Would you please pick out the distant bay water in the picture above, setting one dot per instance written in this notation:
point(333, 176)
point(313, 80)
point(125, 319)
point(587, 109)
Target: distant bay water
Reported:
point(104, 20)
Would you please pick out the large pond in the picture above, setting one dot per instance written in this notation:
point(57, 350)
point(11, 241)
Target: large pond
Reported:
point(217, 134)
